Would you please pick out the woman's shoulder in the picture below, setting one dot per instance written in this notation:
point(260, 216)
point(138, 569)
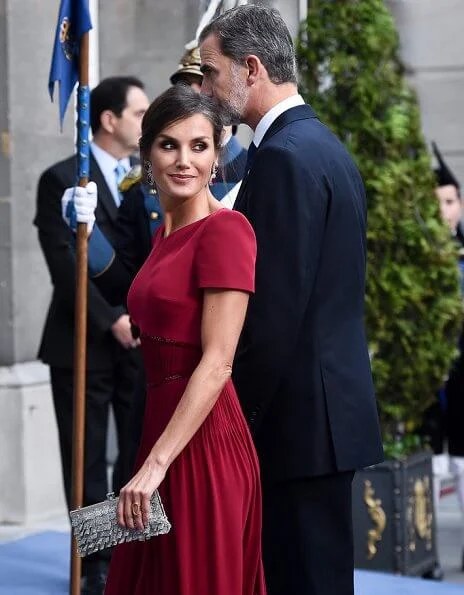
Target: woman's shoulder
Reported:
point(227, 231)
point(226, 219)
point(226, 252)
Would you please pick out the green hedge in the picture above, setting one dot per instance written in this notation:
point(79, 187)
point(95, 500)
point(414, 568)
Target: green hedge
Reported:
point(351, 73)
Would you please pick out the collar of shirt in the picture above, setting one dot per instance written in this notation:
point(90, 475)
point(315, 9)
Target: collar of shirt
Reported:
point(107, 164)
point(267, 120)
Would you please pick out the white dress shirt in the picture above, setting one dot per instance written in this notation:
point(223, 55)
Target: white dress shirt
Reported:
point(265, 123)
point(107, 164)
point(229, 199)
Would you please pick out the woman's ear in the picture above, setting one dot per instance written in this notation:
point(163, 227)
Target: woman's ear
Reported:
point(147, 173)
point(214, 169)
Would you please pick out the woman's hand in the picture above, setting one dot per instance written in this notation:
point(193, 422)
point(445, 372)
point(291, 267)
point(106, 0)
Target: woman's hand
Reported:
point(134, 498)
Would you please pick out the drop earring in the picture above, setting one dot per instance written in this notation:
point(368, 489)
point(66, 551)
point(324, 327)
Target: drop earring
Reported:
point(213, 173)
point(149, 176)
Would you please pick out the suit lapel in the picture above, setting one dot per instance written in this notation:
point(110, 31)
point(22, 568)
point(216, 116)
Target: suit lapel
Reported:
point(105, 198)
point(239, 204)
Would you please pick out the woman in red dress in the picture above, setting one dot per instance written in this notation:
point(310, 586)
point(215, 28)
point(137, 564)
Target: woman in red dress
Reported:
point(189, 301)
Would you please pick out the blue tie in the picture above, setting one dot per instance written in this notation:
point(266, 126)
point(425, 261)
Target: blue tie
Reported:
point(250, 157)
point(119, 173)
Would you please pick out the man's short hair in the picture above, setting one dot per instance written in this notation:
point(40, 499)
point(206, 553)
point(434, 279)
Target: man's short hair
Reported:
point(257, 30)
point(110, 94)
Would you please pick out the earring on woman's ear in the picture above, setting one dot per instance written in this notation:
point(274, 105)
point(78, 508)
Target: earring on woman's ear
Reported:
point(213, 173)
point(149, 176)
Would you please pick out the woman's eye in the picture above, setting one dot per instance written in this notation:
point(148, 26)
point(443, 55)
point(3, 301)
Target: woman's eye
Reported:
point(167, 145)
point(200, 146)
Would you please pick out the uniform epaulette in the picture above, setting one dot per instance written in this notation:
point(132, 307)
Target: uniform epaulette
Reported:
point(133, 176)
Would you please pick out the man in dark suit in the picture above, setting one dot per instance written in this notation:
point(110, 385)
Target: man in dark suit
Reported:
point(117, 108)
point(302, 368)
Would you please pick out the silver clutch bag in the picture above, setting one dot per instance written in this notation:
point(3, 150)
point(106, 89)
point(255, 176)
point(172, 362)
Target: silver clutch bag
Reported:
point(96, 527)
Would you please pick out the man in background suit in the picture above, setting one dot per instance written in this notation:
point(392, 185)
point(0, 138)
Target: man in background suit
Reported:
point(117, 106)
point(302, 367)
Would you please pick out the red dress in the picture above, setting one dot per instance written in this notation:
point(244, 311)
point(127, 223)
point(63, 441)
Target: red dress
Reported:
point(211, 492)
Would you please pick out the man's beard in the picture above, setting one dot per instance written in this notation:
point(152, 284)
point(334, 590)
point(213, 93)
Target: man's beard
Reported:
point(231, 115)
point(234, 105)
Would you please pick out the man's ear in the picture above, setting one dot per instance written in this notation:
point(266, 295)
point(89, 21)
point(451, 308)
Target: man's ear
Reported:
point(107, 118)
point(255, 68)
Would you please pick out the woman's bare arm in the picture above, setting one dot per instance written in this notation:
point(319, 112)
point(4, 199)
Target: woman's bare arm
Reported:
point(222, 321)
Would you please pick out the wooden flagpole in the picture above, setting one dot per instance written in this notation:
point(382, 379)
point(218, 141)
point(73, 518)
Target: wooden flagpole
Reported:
point(80, 336)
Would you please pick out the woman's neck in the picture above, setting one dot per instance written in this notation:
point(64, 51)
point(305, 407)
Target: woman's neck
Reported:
point(187, 211)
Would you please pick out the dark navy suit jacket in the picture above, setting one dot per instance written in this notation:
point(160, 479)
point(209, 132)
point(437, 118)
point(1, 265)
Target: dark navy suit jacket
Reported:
point(57, 242)
point(302, 369)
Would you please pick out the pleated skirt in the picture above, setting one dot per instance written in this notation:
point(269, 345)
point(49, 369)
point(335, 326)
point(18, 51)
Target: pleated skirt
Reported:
point(212, 496)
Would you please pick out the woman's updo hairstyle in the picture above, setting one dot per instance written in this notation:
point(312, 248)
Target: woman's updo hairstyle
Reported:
point(178, 103)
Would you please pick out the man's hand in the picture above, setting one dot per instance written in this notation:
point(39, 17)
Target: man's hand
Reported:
point(78, 206)
point(122, 332)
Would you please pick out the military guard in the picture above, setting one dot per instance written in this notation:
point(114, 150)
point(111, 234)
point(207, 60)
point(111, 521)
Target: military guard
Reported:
point(448, 192)
point(444, 420)
point(188, 71)
point(112, 266)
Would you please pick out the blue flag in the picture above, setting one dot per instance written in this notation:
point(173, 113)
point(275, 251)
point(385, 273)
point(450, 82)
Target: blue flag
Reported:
point(73, 22)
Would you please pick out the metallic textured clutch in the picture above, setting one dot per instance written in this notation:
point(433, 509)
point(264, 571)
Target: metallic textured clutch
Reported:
point(96, 527)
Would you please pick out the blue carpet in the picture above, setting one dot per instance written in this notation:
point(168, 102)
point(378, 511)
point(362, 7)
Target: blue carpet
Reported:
point(38, 565)
point(377, 583)
point(35, 565)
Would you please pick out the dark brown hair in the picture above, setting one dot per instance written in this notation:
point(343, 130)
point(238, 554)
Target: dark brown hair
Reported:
point(178, 103)
point(110, 94)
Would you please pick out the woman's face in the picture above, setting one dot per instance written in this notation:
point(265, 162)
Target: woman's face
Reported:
point(182, 157)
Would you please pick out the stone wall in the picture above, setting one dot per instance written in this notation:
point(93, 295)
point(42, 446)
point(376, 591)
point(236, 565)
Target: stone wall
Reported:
point(432, 46)
point(145, 38)
point(30, 141)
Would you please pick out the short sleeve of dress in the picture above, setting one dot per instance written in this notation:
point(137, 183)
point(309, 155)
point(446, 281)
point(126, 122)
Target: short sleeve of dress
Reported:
point(226, 253)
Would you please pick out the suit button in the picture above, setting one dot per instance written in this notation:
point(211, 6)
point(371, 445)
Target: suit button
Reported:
point(154, 215)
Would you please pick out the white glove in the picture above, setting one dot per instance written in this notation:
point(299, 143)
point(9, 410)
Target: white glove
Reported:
point(78, 206)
